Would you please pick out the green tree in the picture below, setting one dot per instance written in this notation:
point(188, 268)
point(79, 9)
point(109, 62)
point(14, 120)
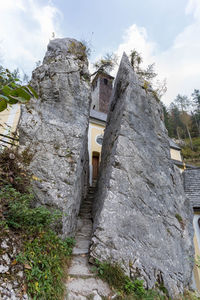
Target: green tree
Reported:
point(196, 113)
point(167, 120)
point(105, 63)
point(11, 89)
point(175, 121)
point(148, 75)
point(183, 104)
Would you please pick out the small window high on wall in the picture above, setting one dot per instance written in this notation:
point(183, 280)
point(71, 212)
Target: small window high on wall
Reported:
point(105, 81)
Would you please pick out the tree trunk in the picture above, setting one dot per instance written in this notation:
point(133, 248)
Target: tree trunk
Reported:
point(189, 135)
point(178, 135)
point(197, 124)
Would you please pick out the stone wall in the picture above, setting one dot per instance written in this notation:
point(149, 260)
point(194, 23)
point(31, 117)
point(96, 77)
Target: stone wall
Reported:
point(53, 129)
point(142, 218)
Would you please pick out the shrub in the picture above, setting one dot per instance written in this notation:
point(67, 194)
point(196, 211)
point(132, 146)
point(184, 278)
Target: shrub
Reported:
point(126, 288)
point(44, 254)
point(43, 258)
point(20, 215)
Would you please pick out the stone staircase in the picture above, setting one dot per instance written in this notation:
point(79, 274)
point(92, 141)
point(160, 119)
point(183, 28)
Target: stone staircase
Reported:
point(84, 226)
point(82, 283)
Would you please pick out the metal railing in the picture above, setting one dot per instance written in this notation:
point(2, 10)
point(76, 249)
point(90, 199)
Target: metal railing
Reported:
point(7, 140)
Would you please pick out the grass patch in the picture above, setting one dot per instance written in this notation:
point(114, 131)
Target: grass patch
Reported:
point(192, 156)
point(180, 220)
point(43, 258)
point(125, 288)
point(128, 289)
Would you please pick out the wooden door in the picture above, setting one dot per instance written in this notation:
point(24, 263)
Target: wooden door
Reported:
point(95, 167)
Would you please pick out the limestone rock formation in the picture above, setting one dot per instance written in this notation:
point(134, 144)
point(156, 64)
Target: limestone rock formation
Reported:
point(142, 218)
point(53, 129)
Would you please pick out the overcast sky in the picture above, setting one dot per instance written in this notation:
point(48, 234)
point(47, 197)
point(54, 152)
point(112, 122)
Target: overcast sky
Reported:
point(166, 32)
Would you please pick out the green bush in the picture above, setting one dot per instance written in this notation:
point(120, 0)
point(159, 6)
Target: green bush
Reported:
point(192, 156)
point(126, 288)
point(19, 213)
point(43, 258)
point(44, 253)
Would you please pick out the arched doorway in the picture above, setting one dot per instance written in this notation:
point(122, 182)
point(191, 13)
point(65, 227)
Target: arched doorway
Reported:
point(95, 165)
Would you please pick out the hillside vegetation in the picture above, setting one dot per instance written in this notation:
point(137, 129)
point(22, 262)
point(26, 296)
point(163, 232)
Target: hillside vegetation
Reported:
point(191, 156)
point(182, 120)
point(32, 254)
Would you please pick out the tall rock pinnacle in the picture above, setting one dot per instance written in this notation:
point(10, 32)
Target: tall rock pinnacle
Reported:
point(53, 129)
point(142, 218)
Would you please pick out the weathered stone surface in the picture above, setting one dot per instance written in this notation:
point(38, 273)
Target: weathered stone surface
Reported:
point(53, 129)
point(87, 287)
point(80, 266)
point(12, 276)
point(142, 218)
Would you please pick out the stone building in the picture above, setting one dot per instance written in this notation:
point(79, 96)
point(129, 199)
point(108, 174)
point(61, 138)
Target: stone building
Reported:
point(101, 91)
point(9, 120)
point(102, 87)
point(192, 189)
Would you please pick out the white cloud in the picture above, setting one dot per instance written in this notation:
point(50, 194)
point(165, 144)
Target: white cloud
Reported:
point(136, 38)
point(180, 63)
point(25, 29)
point(193, 7)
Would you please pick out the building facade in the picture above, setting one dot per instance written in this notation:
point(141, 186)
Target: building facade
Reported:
point(9, 120)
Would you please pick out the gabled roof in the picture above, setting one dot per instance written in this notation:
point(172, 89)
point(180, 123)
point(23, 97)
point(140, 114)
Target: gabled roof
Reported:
point(102, 74)
point(192, 186)
point(173, 145)
point(98, 115)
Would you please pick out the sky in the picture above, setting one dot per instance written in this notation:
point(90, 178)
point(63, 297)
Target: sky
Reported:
point(165, 32)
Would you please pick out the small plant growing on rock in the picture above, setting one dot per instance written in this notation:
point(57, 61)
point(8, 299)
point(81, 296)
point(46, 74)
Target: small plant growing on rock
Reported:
point(125, 287)
point(148, 75)
point(180, 219)
point(80, 50)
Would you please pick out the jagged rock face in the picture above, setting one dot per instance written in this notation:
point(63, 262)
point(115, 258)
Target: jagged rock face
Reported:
point(53, 129)
point(142, 218)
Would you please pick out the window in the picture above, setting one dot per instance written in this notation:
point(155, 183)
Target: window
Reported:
point(105, 81)
point(99, 140)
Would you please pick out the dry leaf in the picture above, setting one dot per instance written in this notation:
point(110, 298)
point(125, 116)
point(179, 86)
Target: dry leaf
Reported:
point(26, 266)
point(14, 262)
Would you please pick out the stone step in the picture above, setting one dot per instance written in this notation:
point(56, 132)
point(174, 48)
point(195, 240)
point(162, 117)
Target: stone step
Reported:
point(82, 222)
point(87, 204)
point(84, 229)
point(85, 210)
point(91, 192)
point(85, 216)
point(82, 212)
point(86, 288)
point(81, 247)
point(80, 266)
point(84, 205)
point(89, 199)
